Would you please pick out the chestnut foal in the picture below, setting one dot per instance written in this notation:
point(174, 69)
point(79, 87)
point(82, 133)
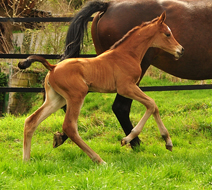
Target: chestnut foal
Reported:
point(115, 71)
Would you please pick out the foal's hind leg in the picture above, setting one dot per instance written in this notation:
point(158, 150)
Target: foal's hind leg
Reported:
point(135, 93)
point(70, 126)
point(52, 103)
point(59, 138)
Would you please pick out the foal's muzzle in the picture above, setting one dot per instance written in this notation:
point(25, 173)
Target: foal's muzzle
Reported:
point(180, 53)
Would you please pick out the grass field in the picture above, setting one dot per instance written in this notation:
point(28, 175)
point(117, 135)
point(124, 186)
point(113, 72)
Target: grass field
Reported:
point(186, 114)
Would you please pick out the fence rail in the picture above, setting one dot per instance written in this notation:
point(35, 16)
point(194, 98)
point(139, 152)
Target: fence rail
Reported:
point(46, 56)
point(39, 19)
point(144, 88)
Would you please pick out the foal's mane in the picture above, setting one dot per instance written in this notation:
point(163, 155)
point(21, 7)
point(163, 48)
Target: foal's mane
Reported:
point(128, 34)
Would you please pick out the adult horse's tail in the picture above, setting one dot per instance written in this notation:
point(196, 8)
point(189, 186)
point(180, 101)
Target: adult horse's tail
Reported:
point(78, 27)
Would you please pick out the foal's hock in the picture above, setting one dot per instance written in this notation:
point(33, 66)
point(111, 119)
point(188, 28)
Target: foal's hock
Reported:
point(115, 71)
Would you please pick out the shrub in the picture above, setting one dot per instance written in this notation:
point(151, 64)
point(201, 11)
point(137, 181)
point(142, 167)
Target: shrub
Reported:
point(3, 82)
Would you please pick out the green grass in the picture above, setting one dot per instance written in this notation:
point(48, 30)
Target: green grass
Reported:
point(186, 114)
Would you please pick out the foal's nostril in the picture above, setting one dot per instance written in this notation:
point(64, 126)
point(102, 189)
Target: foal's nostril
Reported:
point(182, 50)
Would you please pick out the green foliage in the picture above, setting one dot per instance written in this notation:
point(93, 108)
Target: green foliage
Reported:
point(76, 3)
point(41, 77)
point(27, 100)
point(54, 36)
point(3, 83)
point(3, 79)
point(27, 41)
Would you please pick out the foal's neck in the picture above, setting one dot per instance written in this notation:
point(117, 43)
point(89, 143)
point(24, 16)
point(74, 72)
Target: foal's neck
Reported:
point(138, 43)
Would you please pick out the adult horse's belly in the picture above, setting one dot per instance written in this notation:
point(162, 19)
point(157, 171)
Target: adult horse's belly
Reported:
point(191, 24)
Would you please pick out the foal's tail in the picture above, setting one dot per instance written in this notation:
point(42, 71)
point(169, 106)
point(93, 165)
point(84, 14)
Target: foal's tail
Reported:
point(33, 58)
point(78, 27)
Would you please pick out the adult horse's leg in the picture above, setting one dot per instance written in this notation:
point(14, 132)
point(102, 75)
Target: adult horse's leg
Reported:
point(52, 103)
point(121, 108)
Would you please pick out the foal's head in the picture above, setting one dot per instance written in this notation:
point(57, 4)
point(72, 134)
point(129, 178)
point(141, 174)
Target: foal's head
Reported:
point(165, 40)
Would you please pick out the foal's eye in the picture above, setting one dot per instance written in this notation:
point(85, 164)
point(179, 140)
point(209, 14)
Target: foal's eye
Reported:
point(168, 34)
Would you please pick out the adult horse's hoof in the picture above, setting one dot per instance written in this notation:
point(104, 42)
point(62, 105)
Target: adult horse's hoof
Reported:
point(135, 143)
point(169, 147)
point(57, 140)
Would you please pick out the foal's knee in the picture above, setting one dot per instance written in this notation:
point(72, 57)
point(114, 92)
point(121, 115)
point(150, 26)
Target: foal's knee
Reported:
point(156, 109)
point(151, 106)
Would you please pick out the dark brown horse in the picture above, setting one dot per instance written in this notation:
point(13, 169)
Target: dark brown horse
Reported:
point(191, 24)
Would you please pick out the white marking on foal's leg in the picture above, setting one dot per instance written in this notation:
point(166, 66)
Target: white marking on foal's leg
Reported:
point(137, 129)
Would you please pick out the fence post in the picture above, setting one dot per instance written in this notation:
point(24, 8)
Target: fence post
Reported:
point(9, 84)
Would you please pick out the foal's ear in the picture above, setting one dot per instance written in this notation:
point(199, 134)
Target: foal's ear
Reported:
point(162, 18)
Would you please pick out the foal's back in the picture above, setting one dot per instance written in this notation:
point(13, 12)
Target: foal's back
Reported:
point(95, 73)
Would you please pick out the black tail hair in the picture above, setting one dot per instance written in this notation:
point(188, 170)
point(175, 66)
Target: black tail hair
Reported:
point(78, 27)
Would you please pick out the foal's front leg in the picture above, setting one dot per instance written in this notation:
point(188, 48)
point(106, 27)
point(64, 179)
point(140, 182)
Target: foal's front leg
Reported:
point(121, 108)
point(135, 93)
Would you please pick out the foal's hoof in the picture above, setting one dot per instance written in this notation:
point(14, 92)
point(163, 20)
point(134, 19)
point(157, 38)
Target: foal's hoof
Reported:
point(123, 142)
point(57, 140)
point(103, 163)
point(169, 147)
